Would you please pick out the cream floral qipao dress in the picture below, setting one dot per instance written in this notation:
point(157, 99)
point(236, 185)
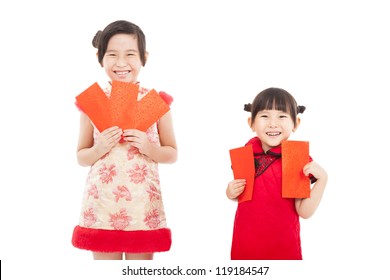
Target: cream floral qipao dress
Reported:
point(122, 208)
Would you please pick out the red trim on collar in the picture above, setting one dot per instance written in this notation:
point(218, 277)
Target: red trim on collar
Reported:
point(258, 149)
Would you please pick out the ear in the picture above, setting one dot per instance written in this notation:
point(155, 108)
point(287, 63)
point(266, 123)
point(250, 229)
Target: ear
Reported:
point(97, 56)
point(146, 57)
point(250, 123)
point(297, 124)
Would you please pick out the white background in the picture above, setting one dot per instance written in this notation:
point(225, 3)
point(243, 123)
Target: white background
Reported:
point(212, 57)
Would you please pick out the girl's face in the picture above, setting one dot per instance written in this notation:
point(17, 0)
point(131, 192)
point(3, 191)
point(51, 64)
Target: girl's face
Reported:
point(272, 127)
point(122, 60)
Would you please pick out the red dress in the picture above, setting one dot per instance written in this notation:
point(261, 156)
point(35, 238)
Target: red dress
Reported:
point(267, 227)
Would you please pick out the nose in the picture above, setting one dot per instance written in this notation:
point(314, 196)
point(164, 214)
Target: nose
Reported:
point(121, 61)
point(272, 122)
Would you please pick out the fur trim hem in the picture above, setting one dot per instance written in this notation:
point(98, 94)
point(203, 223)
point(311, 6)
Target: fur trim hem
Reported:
point(139, 241)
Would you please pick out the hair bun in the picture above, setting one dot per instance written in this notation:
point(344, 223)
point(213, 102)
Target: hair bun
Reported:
point(248, 107)
point(96, 39)
point(301, 109)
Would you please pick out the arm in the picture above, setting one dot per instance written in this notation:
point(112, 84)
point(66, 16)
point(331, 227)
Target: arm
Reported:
point(235, 188)
point(166, 152)
point(88, 152)
point(307, 206)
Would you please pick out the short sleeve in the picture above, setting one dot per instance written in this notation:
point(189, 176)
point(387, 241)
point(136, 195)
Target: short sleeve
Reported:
point(78, 106)
point(166, 97)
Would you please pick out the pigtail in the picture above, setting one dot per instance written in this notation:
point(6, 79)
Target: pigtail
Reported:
point(301, 109)
point(96, 39)
point(248, 107)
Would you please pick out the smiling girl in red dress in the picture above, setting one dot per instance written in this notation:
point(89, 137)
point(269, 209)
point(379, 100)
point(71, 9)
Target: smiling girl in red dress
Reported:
point(267, 227)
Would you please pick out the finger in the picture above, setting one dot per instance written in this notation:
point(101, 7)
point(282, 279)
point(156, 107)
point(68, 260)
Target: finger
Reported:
point(116, 138)
point(240, 182)
point(132, 132)
point(110, 129)
point(239, 191)
point(127, 132)
point(306, 170)
point(132, 139)
point(113, 138)
point(112, 133)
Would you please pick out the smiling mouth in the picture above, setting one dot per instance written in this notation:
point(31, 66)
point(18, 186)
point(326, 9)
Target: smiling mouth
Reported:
point(273, 133)
point(122, 72)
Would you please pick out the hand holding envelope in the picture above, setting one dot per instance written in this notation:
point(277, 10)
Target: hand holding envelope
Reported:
point(243, 166)
point(122, 108)
point(295, 155)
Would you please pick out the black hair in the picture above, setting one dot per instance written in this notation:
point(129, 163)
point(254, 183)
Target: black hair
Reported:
point(274, 99)
point(101, 38)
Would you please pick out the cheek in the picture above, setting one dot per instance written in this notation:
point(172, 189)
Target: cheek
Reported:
point(252, 126)
point(136, 65)
point(290, 128)
point(258, 128)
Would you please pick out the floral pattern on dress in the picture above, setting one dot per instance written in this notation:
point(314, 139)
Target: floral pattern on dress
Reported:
point(121, 192)
point(92, 191)
point(89, 217)
point(107, 173)
point(154, 194)
point(155, 175)
point(153, 138)
point(152, 219)
point(121, 220)
point(138, 173)
point(123, 189)
point(131, 152)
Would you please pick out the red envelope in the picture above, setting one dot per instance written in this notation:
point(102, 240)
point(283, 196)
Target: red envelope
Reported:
point(243, 165)
point(121, 108)
point(295, 155)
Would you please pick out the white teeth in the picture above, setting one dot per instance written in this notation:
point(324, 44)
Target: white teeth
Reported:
point(122, 72)
point(273, 133)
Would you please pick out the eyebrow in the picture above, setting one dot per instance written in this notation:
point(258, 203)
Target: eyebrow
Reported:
point(268, 111)
point(129, 50)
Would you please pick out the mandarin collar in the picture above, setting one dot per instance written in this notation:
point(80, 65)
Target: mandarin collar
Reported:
point(258, 149)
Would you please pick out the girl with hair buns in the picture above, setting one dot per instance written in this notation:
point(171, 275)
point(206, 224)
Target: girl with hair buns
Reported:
point(122, 212)
point(267, 227)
